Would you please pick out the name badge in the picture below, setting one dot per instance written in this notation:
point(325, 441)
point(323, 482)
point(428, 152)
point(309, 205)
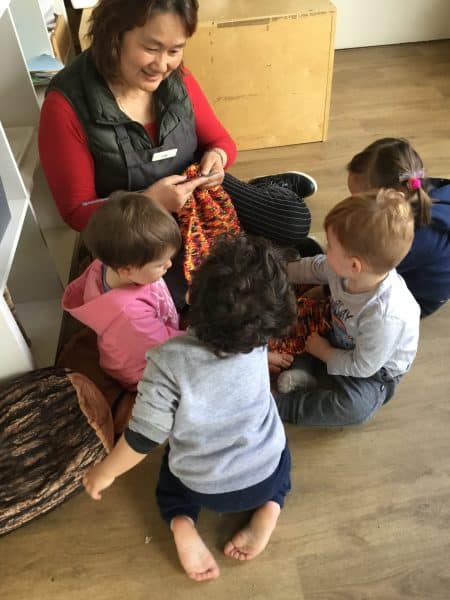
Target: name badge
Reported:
point(165, 154)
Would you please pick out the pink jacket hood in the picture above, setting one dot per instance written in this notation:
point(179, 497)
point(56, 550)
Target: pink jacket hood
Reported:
point(85, 299)
point(128, 321)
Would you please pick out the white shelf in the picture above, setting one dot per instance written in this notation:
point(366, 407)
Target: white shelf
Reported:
point(61, 242)
point(31, 28)
point(19, 139)
point(8, 245)
point(3, 6)
point(83, 3)
point(29, 162)
point(23, 142)
point(42, 322)
point(17, 202)
point(18, 357)
point(36, 248)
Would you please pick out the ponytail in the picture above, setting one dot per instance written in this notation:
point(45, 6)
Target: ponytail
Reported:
point(421, 204)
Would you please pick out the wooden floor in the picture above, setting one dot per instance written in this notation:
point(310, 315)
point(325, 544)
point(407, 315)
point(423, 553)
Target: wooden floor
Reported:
point(369, 514)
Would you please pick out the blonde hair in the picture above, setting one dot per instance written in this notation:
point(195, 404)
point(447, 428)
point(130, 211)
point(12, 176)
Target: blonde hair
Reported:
point(393, 163)
point(376, 226)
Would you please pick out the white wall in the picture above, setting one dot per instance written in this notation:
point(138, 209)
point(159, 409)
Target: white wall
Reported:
point(379, 22)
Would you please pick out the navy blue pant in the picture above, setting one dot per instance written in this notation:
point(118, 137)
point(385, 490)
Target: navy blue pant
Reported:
point(428, 307)
point(175, 499)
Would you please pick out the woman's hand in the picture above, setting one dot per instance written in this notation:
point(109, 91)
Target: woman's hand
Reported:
point(173, 191)
point(212, 165)
point(95, 481)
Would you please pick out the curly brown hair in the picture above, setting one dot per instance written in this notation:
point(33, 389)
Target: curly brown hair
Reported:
point(240, 295)
point(111, 19)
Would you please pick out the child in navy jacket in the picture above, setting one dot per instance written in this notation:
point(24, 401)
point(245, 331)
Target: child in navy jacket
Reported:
point(392, 162)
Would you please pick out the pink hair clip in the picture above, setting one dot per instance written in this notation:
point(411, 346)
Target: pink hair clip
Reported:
point(413, 183)
point(413, 179)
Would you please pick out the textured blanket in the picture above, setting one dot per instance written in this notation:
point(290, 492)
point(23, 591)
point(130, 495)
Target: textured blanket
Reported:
point(206, 214)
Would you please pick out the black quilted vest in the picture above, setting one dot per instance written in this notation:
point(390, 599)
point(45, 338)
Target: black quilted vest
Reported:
point(121, 148)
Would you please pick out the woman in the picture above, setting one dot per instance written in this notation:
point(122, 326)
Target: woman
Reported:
point(127, 115)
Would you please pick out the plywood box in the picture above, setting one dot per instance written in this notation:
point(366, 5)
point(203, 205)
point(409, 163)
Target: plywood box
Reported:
point(266, 67)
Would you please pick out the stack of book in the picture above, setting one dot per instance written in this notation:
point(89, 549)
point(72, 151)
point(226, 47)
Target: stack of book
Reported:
point(42, 68)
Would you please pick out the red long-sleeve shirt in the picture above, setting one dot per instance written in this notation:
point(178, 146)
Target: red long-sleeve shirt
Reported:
point(68, 163)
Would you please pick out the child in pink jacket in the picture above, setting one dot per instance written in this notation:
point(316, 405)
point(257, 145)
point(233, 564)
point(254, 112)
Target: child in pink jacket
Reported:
point(122, 295)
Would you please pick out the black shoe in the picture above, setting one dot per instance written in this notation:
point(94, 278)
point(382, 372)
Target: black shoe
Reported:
point(300, 183)
point(308, 246)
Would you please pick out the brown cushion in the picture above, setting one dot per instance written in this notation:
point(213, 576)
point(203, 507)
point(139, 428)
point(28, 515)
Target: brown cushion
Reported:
point(54, 424)
point(80, 354)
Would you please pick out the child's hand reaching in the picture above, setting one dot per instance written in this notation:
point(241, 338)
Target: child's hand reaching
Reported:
point(279, 361)
point(95, 481)
point(318, 346)
point(317, 292)
point(121, 459)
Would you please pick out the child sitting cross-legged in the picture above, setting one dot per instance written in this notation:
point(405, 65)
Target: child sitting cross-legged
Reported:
point(122, 295)
point(347, 374)
point(208, 394)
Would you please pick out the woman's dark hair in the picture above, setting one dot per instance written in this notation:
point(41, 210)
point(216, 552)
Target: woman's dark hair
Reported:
point(130, 230)
point(392, 163)
point(112, 18)
point(240, 296)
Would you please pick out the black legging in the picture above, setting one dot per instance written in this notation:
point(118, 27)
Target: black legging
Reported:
point(275, 213)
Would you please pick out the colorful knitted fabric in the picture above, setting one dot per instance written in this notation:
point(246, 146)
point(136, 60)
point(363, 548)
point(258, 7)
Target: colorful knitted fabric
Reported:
point(205, 215)
point(312, 315)
point(210, 212)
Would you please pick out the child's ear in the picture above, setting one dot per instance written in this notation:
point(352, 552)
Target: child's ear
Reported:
point(356, 265)
point(356, 183)
point(124, 271)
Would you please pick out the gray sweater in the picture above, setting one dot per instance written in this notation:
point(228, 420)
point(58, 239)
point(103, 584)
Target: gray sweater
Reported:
point(373, 329)
point(218, 414)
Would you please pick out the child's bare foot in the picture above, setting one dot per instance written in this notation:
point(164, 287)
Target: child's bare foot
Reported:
point(195, 558)
point(251, 541)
